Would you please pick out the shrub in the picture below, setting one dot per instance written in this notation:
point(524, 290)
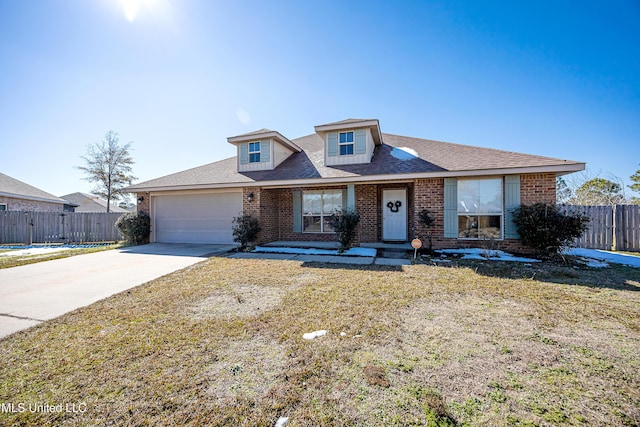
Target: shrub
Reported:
point(344, 223)
point(427, 220)
point(546, 229)
point(245, 230)
point(135, 227)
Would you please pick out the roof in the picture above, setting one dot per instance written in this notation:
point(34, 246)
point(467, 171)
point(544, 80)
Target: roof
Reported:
point(89, 203)
point(264, 133)
point(418, 158)
point(11, 187)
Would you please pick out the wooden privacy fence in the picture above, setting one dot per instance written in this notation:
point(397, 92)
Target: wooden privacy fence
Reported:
point(58, 227)
point(614, 227)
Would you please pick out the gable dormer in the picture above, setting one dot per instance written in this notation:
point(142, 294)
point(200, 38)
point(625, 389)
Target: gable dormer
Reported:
point(350, 141)
point(262, 150)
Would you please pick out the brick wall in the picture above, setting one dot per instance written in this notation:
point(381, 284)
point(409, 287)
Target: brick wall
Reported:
point(274, 207)
point(14, 204)
point(367, 207)
point(538, 187)
point(143, 206)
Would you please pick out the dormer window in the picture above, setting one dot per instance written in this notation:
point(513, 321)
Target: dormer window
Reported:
point(254, 152)
point(346, 143)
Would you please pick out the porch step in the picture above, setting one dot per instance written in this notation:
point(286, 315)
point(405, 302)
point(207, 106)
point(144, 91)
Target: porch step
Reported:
point(300, 244)
point(382, 245)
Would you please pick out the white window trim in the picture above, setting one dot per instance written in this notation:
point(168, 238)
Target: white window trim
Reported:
point(322, 214)
point(254, 151)
point(501, 214)
point(344, 144)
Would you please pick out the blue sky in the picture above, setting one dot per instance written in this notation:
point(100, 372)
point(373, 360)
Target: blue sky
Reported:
point(560, 79)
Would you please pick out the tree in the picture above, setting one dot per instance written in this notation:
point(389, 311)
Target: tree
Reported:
point(108, 164)
point(636, 185)
point(598, 191)
point(563, 192)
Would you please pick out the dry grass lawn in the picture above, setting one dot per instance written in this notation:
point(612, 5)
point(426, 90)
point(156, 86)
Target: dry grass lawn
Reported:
point(220, 343)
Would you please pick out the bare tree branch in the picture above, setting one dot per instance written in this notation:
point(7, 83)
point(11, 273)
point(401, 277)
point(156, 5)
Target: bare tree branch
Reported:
point(108, 164)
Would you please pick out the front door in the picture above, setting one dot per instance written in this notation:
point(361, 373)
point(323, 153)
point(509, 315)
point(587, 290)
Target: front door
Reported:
point(394, 215)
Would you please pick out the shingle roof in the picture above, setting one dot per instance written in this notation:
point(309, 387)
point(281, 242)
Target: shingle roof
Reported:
point(434, 158)
point(90, 203)
point(11, 187)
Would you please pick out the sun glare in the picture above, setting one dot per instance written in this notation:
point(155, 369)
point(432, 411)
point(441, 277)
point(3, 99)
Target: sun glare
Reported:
point(132, 8)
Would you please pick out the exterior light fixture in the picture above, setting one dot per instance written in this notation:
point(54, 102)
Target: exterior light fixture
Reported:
point(250, 197)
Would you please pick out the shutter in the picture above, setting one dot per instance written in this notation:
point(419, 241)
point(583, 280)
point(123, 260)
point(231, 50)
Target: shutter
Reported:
point(332, 144)
point(244, 153)
point(265, 151)
point(451, 208)
point(511, 202)
point(297, 211)
point(351, 198)
point(361, 141)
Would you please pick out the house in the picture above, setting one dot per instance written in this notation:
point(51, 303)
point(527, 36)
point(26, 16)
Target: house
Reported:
point(88, 203)
point(292, 186)
point(16, 195)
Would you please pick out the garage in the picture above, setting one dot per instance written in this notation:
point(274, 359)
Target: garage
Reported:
point(195, 218)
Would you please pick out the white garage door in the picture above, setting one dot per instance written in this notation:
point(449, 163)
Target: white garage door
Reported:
point(196, 218)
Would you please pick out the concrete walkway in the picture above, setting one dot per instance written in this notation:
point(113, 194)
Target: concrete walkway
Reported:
point(33, 293)
point(334, 259)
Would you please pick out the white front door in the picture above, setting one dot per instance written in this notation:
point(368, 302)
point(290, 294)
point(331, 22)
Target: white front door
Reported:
point(394, 215)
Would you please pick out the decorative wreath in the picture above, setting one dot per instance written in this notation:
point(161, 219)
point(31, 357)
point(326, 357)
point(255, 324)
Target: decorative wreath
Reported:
point(394, 206)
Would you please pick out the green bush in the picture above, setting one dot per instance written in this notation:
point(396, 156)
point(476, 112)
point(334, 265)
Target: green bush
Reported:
point(135, 227)
point(344, 223)
point(245, 230)
point(546, 229)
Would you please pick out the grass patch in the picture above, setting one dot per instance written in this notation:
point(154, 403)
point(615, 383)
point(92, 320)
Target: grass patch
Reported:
point(220, 343)
point(18, 260)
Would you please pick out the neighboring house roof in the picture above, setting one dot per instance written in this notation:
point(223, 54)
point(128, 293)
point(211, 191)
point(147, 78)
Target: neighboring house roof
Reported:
point(398, 157)
point(11, 187)
point(89, 203)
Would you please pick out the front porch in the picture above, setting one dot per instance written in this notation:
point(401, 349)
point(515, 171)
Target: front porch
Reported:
point(388, 212)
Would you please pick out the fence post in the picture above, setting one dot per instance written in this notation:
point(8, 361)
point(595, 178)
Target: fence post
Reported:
point(614, 228)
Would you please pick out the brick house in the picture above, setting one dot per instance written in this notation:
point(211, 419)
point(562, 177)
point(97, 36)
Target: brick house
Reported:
point(292, 186)
point(16, 195)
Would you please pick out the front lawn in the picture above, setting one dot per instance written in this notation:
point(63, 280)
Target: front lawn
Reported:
point(220, 343)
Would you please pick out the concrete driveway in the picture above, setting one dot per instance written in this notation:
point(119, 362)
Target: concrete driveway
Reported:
point(33, 293)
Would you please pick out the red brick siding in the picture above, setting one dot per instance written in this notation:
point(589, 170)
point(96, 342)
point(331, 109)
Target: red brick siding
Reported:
point(275, 210)
point(538, 187)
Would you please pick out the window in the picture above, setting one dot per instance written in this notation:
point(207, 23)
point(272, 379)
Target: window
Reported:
point(3, 206)
point(254, 152)
point(480, 208)
point(317, 207)
point(346, 143)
